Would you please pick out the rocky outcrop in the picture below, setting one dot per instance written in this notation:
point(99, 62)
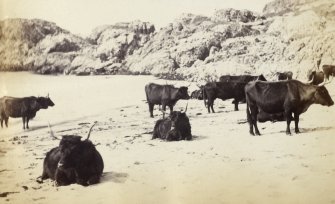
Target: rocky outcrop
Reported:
point(44, 48)
point(189, 40)
point(290, 35)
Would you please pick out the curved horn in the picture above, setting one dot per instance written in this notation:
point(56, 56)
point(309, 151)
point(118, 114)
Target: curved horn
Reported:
point(186, 107)
point(89, 132)
point(310, 81)
point(326, 82)
point(52, 133)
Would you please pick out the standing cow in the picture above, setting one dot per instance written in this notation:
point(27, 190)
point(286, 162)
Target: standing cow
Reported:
point(241, 78)
point(73, 161)
point(165, 95)
point(223, 90)
point(22, 107)
point(284, 75)
point(328, 70)
point(289, 97)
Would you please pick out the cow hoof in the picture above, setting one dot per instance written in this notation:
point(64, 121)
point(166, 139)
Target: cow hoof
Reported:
point(288, 133)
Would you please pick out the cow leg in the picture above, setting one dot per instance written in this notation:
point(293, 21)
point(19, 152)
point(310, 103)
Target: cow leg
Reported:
point(27, 121)
point(2, 122)
point(288, 122)
point(251, 126)
point(24, 122)
point(6, 121)
point(236, 104)
point(296, 121)
point(254, 112)
point(210, 105)
point(151, 109)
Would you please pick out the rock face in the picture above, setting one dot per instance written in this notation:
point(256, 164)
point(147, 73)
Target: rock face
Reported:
point(44, 48)
point(289, 35)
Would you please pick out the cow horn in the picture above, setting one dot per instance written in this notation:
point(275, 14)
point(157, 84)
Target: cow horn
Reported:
point(310, 81)
point(89, 132)
point(186, 107)
point(52, 133)
point(326, 82)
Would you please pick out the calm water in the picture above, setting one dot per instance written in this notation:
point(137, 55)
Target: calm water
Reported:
point(76, 97)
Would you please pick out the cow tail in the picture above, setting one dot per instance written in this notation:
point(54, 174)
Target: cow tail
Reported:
point(204, 96)
point(248, 113)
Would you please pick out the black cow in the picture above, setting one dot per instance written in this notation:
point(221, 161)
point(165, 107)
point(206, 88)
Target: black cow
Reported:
point(289, 97)
point(197, 94)
point(328, 70)
point(223, 90)
point(241, 78)
point(22, 107)
point(316, 77)
point(173, 128)
point(284, 75)
point(165, 95)
point(73, 161)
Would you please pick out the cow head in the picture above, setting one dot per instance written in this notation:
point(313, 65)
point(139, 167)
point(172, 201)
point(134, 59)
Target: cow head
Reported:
point(75, 152)
point(183, 93)
point(69, 148)
point(45, 102)
point(181, 124)
point(322, 96)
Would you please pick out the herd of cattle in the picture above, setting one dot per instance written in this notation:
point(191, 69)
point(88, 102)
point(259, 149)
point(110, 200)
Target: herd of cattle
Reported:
point(77, 161)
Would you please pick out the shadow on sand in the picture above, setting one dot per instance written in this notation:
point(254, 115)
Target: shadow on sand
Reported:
point(114, 177)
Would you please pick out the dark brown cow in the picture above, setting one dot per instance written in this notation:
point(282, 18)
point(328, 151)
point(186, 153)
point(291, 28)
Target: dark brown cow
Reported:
point(22, 107)
point(328, 70)
point(165, 95)
point(288, 97)
point(241, 78)
point(173, 128)
point(224, 91)
point(73, 161)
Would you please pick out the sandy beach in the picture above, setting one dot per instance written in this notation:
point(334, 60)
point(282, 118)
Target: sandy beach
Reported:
point(222, 164)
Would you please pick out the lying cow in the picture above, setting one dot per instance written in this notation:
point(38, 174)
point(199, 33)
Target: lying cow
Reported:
point(223, 90)
point(165, 95)
point(22, 107)
point(173, 128)
point(328, 70)
point(288, 97)
point(73, 161)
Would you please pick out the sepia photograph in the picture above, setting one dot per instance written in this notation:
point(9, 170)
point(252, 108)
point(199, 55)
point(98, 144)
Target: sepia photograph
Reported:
point(167, 101)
